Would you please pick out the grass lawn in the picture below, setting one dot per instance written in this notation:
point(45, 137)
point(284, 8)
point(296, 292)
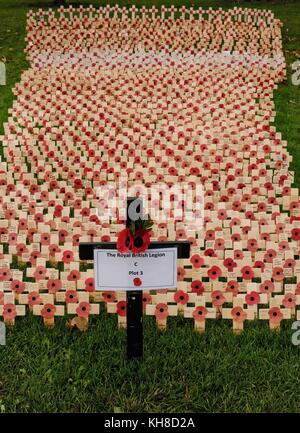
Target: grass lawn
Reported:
point(60, 370)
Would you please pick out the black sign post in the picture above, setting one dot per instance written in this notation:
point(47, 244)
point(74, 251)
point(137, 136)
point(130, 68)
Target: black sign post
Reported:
point(134, 310)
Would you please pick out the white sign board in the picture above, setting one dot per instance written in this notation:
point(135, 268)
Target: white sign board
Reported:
point(153, 269)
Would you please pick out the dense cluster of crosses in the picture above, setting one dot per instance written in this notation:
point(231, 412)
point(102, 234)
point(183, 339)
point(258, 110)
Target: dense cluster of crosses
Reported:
point(163, 96)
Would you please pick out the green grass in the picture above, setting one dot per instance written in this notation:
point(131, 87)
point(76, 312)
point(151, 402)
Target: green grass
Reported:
point(65, 370)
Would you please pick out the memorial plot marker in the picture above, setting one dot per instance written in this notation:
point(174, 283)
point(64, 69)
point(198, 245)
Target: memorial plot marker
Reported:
point(155, 268)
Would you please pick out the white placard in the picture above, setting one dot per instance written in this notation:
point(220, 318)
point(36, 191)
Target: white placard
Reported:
point(155, 269)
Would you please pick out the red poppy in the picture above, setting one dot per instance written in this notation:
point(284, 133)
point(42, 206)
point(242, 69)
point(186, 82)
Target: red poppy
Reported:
point(58, 210)
point(34, 299)
point(137, 282)
point(289, 300)
point(90, 284)
point(109, 296)
point(180, 274)
point(219, 244)
point(275, 315)
point(40, 273)
point(252, 245)
point(214, 272)
point(197, 287)
point(9, 311)
point(289, 264)
point(296, 234)
point(200, 313)
point(53, 249)
point(75, 240)
point(270, 255)
point(238, 314)
point(12, 238)
point(197, 261)
point(45, 239)
point(217, 298)
point(161, 311)
point(48, 311)
point(284, 246)
point(232, 287)
point(17, 286)
point(71, 297)
point(222, 214)
point(238, 254)
point(141, 241)
point(181, 297)
point(125, 241)
point(73, 276)
point(147, 299)
point(247, 272)
point(180, 234)
point(278, 274)
point(68, 257)
point(62, 234)
point(259, 264)
point(267, 287)
point(21, 249)
point(252, 298)
point(54, 285)
point(210, 235)
point(83, 310)
point(230, 264)
point(121, 308)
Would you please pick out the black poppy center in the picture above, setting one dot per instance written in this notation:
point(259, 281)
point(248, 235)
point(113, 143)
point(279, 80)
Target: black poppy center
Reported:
point(138, 242)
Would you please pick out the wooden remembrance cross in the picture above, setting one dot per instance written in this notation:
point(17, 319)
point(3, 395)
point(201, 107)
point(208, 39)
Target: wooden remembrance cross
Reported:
point(134, 310)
